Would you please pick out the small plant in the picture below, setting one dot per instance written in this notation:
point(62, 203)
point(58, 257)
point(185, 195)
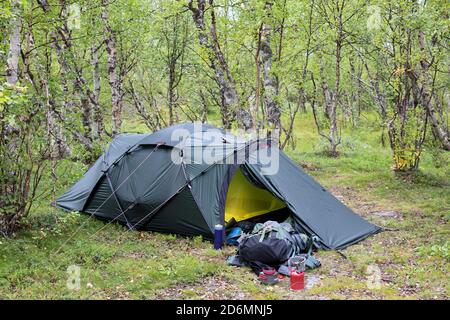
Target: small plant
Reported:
point(436, 250)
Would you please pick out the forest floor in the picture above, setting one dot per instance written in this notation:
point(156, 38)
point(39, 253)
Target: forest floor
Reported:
point(413, 261)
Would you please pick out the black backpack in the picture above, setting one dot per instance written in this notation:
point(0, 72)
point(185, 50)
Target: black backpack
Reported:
point(271, 250)
point(272, 243)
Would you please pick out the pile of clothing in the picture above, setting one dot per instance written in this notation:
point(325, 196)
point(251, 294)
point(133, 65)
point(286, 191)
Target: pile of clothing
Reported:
point(270, 245)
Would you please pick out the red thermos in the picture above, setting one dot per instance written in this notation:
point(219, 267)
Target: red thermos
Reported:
point(297, 280)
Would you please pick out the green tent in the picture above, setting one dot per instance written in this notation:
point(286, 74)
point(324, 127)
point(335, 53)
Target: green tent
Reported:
point(162, 182)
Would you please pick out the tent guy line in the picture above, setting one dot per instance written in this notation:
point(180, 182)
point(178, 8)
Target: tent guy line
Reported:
point(99, 206)
point(162, 203)
point(188, 182)
point(131, 228)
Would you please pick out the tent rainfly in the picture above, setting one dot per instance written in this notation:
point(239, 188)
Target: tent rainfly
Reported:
point(162, 182)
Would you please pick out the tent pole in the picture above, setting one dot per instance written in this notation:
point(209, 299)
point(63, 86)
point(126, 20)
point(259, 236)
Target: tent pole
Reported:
point(114, 191)
point(117, 201)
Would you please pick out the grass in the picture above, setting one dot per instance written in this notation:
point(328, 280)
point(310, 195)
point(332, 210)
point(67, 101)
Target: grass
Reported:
point(413, 262)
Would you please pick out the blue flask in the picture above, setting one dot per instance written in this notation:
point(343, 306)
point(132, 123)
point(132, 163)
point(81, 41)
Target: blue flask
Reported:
point(218, 236)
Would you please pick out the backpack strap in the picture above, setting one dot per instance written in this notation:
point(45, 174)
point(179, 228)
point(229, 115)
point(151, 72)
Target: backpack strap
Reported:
point(311, 262)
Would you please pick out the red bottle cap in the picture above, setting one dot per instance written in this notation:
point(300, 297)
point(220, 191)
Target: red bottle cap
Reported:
point(269, 272)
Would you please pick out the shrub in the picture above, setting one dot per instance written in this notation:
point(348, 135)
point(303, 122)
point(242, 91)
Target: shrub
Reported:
point(23, 149)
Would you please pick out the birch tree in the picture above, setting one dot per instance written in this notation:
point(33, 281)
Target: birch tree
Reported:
point(113, 76)
point(271, 105)
point(209, 42)
point(12, 70)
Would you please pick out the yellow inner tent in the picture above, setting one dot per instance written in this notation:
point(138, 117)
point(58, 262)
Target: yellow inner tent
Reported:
point(245, 200)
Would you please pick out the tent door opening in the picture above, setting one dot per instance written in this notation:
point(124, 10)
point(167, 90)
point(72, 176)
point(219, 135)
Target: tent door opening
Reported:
point(246, 200)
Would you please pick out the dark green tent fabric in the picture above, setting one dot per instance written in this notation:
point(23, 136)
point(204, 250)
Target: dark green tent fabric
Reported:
point(181, 214)
point(158, 182)
point(316, 210)
point(75, 199)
